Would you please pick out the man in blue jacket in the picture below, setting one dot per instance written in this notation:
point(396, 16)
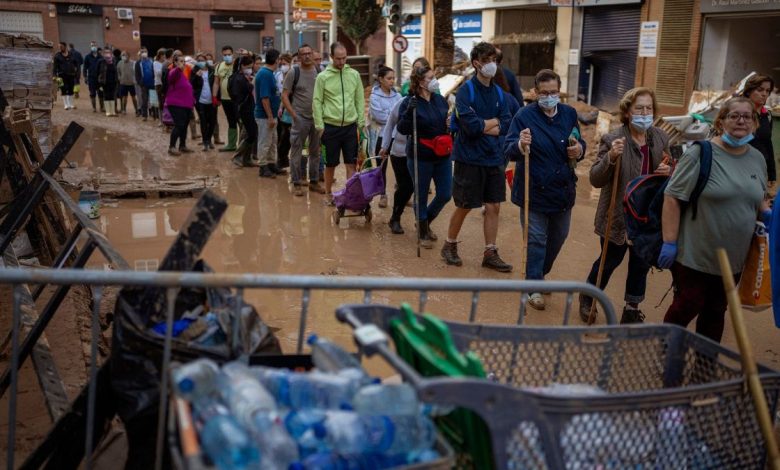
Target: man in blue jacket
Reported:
point(144, 79)
point(483, 115)
point(91, 65)
point(555, 149)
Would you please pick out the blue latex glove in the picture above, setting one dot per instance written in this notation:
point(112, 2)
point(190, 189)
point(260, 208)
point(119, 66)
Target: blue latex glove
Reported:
point(668, 255)
point(766, 217)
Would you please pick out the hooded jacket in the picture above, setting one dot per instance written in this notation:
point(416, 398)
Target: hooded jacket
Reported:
point(338, 98)
point(380, 105)
point(390, 134)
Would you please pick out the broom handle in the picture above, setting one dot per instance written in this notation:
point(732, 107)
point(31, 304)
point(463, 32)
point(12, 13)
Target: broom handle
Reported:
point(416, 180)
point(607, 230)
point(526, 205)
point(748, 363)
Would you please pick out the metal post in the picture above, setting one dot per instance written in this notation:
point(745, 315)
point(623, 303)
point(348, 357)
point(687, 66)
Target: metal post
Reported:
point(286, 27)
point(333, 32)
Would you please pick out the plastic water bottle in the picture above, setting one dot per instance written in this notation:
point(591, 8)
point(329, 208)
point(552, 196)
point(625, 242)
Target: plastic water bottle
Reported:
point(196, 380)
point(334, 461)
point(300, 424)
point(241, 391)
point(329, 357)
point(223, 439)
point(388, 400)
point(346, 432)
point(311, 390)
point(671, 447)
point(278, 449)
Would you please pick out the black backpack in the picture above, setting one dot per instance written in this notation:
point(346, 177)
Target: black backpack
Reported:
point(296, 77)
point(643, 203)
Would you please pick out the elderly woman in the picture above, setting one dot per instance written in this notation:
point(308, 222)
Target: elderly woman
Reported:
point(728, 207)
point(640, 148)
point(758, 89)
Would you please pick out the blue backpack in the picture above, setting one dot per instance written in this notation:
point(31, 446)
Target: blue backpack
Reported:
point(454, 128)
point(643, 203)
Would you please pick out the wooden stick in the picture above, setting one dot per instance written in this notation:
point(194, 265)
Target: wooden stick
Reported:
point(526, 206)
point(607, 230)
point(187, 435)
point(749, 367)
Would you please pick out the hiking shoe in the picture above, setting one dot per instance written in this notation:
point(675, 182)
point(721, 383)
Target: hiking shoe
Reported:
point(536, 300)
point(185, 150)
point(632, 315)
point(585, 305)
point(266, 172)
point(450, 254)
point(238, 161)
point(315, 187)
point(426, 242)
point(491, 260)
point(383, 201)
point(174, 152)
point(395, 226)
point(297, 190)
point(277, 170)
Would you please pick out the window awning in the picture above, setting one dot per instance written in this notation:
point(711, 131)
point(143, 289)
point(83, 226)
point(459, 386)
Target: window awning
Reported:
point(525, 38)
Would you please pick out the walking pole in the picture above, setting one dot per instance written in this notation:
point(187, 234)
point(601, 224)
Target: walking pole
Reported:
point(416, 180)
point(607, 230)
point(748, 363)
point(526, 197)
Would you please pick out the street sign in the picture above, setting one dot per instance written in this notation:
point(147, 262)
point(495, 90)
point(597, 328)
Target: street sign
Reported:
point(314, 15)
point(400, 44)
point(313, 4)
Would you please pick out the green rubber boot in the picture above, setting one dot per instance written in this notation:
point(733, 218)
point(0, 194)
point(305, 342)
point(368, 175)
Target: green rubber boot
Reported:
point(231, 143)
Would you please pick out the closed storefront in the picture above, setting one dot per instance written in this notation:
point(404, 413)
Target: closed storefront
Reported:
point(610, 42)
point(21, 22)
point(173, 33)
point(526, 37)
point(238, 31)
point(80, 24)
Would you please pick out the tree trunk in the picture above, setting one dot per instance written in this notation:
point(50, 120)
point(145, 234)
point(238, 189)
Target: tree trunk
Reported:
point(442, 34)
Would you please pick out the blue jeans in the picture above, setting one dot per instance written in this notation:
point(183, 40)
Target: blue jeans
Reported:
point(440, 171)
point(546, 234)
point(636, 281)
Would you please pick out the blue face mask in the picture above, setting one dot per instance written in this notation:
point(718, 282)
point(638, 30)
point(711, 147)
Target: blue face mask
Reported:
point(228, 59)
point(201, 64)
point(642, 123)
point(210, 62)
point(549, 102)
point(733, 142)
point(93, 49)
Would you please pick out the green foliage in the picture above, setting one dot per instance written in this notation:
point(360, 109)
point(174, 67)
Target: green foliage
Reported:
point(358, 19)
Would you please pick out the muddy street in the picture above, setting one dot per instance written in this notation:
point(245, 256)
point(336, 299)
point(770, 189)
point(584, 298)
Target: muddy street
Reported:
point(268, 230)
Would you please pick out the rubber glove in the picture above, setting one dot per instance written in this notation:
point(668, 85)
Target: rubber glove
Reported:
point(668, 255)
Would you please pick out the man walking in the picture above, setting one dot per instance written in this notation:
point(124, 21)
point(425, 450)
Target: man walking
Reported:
point(221, 79)
point(144, 78)
point(483, 115)
point(338, 107)
point(297, 98)
point(91, 65)
point(266, 108)
point(555, 149)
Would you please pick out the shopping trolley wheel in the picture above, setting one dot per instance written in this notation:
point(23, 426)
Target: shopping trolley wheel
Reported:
point(335, 216)
point(369, 215)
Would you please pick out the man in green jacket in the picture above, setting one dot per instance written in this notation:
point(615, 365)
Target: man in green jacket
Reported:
point(337, 107)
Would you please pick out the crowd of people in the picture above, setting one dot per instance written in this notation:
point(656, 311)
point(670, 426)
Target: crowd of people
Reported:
point(279, 105)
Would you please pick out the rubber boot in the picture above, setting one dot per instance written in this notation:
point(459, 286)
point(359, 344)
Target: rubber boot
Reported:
point(102, 104)
point(231, 143)
point(395, 221)
point(94, 104)
point(107, 107)
point(243, 156)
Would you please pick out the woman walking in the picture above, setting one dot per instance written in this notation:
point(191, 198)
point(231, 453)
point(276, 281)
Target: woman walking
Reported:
point(179, 99)
point(433, 161)
point(727, 210)
point(394, 144)
point(640, 148)
point(241, 91)
point(758, 89)
point(108, 79)
point(382, 100)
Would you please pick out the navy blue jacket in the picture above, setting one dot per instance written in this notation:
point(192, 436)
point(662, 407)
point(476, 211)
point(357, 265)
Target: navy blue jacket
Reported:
point(431, 122)
point(514, 85)
point(514, 108)
point(553, 182)
point(472, 145)
point(91, 64)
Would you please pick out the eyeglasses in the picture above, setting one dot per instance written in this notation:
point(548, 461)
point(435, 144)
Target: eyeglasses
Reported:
point(736, 117)
point(547, 93)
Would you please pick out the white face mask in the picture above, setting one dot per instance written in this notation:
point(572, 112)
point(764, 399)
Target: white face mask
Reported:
point(247, 72)
point(284, 68)
point(489, 70)
point(433, 85)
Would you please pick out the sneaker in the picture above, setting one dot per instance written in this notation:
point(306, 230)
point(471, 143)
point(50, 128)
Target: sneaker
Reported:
point(383, 201)
point(238, 161)
point(632, 315)
point(174, 152)
point(491, 260)
point(315, 187)
point(536, 300)
point(185, 150)
point(450, 254)
point(211, 146)
point(266, 172)
point(205, 147)
point(395, 226)
point(277, 170)
point(329, 201)
point(426, 243)
point(585, 305)
point(297, 190)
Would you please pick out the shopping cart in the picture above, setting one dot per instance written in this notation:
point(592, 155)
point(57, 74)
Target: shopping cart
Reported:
point(667, 398)
point(359, 191)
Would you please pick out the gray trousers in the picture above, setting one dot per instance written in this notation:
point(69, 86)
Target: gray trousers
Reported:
point(143, 100)
point(266, 143)
point(300, 130)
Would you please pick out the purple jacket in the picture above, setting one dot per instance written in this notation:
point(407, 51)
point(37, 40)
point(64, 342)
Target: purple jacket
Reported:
point(179, 90)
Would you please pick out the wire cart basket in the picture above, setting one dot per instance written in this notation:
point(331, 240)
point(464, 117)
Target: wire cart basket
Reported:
point(668, 398)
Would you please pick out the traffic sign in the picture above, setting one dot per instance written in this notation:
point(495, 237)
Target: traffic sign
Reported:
point(313, 4)
point(400, 44)
point(314, 15)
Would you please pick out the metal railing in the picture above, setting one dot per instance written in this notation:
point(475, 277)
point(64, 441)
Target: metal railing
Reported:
point(172, 282)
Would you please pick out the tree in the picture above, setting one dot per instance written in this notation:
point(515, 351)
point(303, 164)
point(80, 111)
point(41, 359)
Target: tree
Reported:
point(358, 19)
point(442, 34)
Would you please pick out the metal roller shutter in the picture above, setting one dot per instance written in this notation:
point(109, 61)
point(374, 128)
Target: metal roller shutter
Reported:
point(249, 40)
point(675, 40)
point(81, 30)
point(21, 22)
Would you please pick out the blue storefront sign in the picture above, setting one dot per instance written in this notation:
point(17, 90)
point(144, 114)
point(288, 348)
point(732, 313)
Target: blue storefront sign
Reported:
point(467, 24)
point(413, 29)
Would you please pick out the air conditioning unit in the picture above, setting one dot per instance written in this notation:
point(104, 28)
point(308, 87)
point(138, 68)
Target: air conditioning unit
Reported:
point(124, 13)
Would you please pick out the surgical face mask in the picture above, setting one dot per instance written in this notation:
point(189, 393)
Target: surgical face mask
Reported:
point(734, 142)
point(433, 85)
point(124, 57)
point(489, 70)
point(93, 49)
point(549, 101)
point(228, 59)
point(210, 62)
point(642, 122)
point(247, 72)
point(201, 64)
point(144, 55)
point(284, 68)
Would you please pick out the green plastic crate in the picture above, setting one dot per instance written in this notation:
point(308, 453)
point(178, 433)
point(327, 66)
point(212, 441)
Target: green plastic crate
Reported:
point(427, 346)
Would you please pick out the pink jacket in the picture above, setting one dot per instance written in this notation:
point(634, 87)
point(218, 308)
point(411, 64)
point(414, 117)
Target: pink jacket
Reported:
point(179, 90)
